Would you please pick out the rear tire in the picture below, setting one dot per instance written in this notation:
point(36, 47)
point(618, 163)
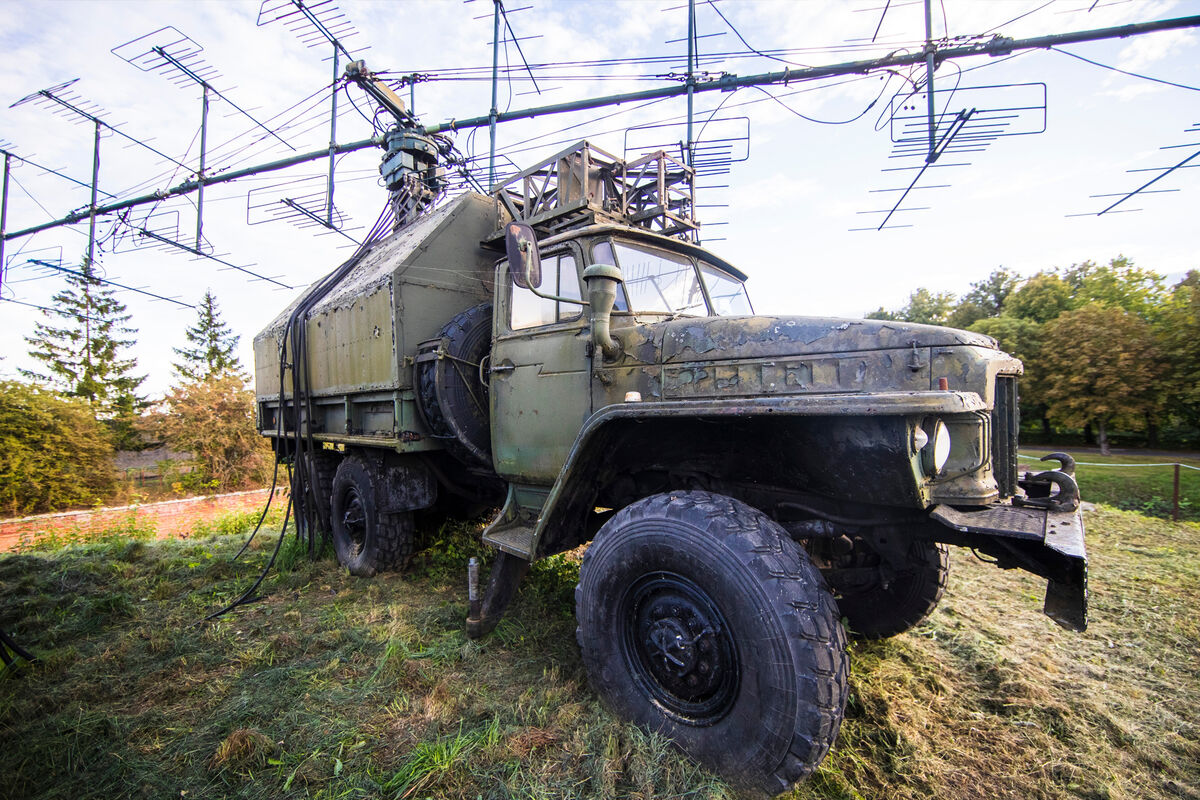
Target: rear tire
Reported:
point(700, 619)
point(367, 541)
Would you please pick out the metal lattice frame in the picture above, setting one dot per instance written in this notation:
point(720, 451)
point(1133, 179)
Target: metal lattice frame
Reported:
point(583, 185)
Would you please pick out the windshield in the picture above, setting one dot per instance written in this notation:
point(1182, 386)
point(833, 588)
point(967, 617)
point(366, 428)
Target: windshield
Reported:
point(727, 293)
point(664, 281)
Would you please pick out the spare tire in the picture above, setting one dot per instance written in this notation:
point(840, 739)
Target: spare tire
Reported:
point(452, 395)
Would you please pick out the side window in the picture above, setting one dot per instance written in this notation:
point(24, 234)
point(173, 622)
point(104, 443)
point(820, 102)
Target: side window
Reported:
point(560, 276)
point(602, 253)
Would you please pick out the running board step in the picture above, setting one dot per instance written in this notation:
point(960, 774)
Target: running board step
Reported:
point(513, 538)
point(514, 530)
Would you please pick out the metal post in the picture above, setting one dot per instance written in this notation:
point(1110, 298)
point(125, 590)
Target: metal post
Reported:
point(92, 208)
point(495, 86)
point(691, 77)
point(332, 141)
point(200, 174)
point(1175, 499)
point(4, 214)
point(929, 68)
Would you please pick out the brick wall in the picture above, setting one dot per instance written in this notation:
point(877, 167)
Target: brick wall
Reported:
point(171, 518)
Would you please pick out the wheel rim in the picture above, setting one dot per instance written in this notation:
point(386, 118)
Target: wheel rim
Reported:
point(354, 519)
point(678, 648)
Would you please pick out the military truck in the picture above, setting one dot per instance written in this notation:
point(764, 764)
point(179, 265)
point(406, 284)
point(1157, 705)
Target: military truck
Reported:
point(754, 488)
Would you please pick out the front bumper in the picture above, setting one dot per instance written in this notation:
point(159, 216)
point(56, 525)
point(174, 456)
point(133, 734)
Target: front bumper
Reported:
point(1044, 541)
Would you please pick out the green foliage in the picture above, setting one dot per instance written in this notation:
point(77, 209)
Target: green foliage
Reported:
point(53, 453)
point(1178, 333)
point(1040, 299)
point(986, 299)
point(132, 527)
point(213, 420)
point(924, 306)
point(1020, 316)
point(1021, 338)
point(1103, 369)
point(211, 345)
point(1118, 284)
point(81, 355)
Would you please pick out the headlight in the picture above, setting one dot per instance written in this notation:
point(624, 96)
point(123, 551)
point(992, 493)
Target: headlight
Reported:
point(932, 440)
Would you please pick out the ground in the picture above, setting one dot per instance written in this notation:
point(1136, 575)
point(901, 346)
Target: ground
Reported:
point(335, 686)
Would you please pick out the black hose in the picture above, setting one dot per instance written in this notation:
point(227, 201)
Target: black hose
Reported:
point(263, 516)
point(303, 444)
point(6, 644)
point(245, 598)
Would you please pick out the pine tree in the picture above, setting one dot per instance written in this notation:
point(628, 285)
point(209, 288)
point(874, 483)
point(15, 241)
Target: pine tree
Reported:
point(81, 356)
point(211, 345)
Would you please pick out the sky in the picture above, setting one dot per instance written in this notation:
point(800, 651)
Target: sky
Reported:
point(809, 158)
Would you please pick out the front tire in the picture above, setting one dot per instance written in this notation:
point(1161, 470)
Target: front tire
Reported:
point(700, 619)
point(881, 599)
point(367, 541)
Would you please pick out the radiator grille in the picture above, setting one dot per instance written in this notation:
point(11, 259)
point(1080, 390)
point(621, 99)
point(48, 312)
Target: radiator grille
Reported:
point(1006, 422)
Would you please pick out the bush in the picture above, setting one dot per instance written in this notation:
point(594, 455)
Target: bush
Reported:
point(53, 452)
point(214, 420)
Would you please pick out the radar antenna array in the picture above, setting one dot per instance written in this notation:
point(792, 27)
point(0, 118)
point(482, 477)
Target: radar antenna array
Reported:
point(1191, 160)
point(966, 120)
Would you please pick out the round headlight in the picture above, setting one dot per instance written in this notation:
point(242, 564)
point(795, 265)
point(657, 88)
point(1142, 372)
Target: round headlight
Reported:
point(936, 451)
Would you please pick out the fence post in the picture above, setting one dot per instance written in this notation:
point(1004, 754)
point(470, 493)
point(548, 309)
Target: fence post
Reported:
point(1175, 499)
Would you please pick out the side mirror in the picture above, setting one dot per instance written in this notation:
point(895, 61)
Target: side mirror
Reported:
point(601, 281)
point(524, 262)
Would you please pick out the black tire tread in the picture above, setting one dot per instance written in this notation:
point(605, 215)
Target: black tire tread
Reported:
point(390, 539)
point(885, 613)
point(457, 330)
point(768, 551)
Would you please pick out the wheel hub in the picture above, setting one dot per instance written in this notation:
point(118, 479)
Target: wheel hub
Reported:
point(679, 648)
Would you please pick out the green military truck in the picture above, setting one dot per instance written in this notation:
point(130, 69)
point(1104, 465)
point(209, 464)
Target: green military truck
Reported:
point(754, 488)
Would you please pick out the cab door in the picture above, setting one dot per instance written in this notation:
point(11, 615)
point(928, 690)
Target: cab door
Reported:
point(540, 371)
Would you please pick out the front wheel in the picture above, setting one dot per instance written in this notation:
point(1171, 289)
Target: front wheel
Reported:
point(882, 597)
point(701, 620)
point(367, 540)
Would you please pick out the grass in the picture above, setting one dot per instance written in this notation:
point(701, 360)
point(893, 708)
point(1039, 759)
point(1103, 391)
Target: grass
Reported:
point(337, 687)
point(1146, 489)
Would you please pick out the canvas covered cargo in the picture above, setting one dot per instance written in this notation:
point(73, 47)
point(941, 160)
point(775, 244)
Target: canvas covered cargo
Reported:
point(363, 335)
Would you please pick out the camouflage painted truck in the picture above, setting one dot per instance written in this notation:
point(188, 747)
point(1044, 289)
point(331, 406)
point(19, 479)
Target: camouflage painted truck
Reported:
point(754, 488)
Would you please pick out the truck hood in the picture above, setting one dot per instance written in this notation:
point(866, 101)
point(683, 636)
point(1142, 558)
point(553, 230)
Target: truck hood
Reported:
point(719, 338)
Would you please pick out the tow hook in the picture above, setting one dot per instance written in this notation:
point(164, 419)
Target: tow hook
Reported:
point(1038, 488)
point(1066, 464)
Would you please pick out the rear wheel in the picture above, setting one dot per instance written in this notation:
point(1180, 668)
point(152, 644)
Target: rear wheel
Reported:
point(701, 620)
point(367, 540)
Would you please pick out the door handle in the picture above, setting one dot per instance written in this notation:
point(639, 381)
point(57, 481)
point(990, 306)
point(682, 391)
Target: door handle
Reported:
point(502, 368)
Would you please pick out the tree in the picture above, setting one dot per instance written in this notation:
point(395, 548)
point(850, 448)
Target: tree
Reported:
point(1022, 338)
point(211, 345)
point(82, 355)
point(1104, 369)
point(53, 452)
point(1041, 298)
point(923, 306)
point(986, 299)
point(1118, 284)
point(1178, 334)
point(214, 420)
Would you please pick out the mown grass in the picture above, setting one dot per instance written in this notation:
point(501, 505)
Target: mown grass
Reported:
point(1146, 489)
point(337, 687)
